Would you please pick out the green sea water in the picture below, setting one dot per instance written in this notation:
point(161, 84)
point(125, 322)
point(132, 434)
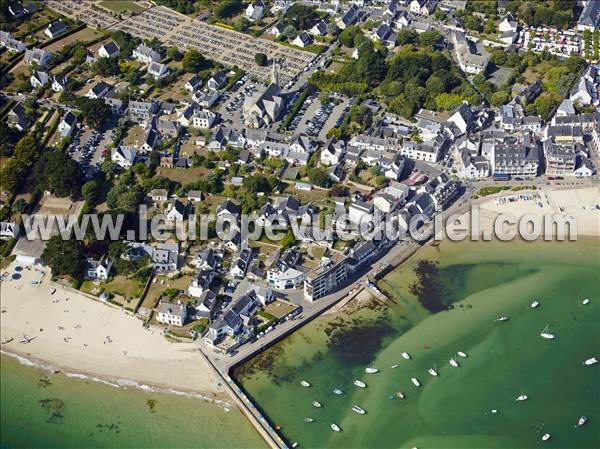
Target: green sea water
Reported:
point(482, 280)
point(43, 410)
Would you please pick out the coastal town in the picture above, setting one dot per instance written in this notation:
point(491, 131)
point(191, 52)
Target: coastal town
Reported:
point(287, 110)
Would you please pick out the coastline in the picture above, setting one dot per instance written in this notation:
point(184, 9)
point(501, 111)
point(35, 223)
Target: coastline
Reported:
point(83, 337)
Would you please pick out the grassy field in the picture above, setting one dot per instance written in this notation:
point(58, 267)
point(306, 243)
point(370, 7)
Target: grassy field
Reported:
point(122, 5)
point(157, 289)
point(84, 35)
point(279, 309)
point(183, 176)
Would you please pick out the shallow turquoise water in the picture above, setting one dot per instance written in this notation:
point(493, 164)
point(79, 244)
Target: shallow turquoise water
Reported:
point(484, 280)
point(43, 410)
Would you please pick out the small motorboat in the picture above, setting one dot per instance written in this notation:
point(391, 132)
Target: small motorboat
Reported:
point(522, 397)
point(335, 428)
point(338, 391)
point(400, 395)
point(546, 437)
point(406, 355)
point(360, 383)
point(433, 372)
point(590, 362)
point(394, 366)
point(534, 304)
point(585, 302)
point(415, 381)
point(357, 409)
point(304, 383)
point(582, 420)
point(502, 318)
point(52, 291)
point(453, 362)
point(316, 404)
point(309, 420)
point(371, 370)
point(494, 411)
point(294, 444)
point(462, 354)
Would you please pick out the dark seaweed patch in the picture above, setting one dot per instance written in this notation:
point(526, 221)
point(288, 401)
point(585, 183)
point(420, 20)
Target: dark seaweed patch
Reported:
point(55, 409)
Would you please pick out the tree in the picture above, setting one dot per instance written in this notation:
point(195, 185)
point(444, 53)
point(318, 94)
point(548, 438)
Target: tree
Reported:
point(302, 17)
point(243, 24)
point(318, 176)
point(256, 183)
point(193, 61)
point(407, 36)
point(289, 32)
point(288, 240)
point(107, 67)
point(261, 59)
point(499, 98)
point(57, 172)
point(64, 257)
point(174, 53)
point(90, 192)
point(447, 102)
point(227, 8)
point(347, 36)
point(95, 112)
point(432, 37)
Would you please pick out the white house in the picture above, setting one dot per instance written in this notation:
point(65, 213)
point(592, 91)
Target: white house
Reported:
point(217, 81)
point(171, 314)
point(303, 40)
point(277, 30)
point(176, 211)
point(255, 11)
point(67, 124)
point(99, 90)
point(109, 50)
point(123, 156)
point(39, 79)
point(284, 280)
point(158, 70)
point(99, 269)
point(145, 54)
point(193, 84)
point(59, 83)
point(264, 295)
point(319, 29)
point(55, 29)
point(358, 210)
point(473, 167)
point(203, 119)
point(508, 24)
point(8, 230)
point(332, 152)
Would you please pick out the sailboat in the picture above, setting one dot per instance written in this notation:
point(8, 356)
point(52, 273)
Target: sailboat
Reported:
point(304, 383)
point(338, 391)
point(309, 420)
point(395, 366)
point(371, 370)
point(462, 354)
point(453, 362)
point(582, 421)
point(360, 383)
point(400, 395)
point(591, 361)
point(546, 437)
point(585, 302)
point(547, 335)
point(433, 372)
point(357, 409)
point(406, 355)
point(415, 381)
point(534, 304)
point(335, 428)
point(522, 397)
point(316, 404)
point(502, 318)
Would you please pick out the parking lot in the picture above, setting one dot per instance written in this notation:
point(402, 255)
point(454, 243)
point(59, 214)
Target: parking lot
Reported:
point(86, 149)
point(232, 103)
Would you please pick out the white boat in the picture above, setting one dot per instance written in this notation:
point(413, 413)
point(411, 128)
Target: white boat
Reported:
point(25, 339)
point(316, 404)
point(357, 409)
point(371, 370)
point(547, 335)
point(590, 362)
point(335, 428)
point(585, 301)
point(453, 362)
point(394, 366)
point(582, 421)
point(415, 381)
point(304, 383)
point(462, 354)
point(309, 420)
point(502, 318)
point(294, 444)
point(494, 411)
point(534, 304)
point(360, 383)
point(546, 437)
point(522, 397)
point(338, 391)
point(400, 395)
point(406, 355)
point(432, 372)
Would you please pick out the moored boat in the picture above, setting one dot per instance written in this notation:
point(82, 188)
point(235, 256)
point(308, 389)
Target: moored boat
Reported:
point(522, 397)
point(309, 420)
point(316, 404)
point(371, 370)
point(335, 428)
point(585, 301)
point(582, 420)
point(406, 355)
point(546, 437)
point(462, 354)
point(338, 391)
point(394, 366)
point(360, 383)
point(591, 361)
point(432, 372)
point(357, 409)
point(453, 362)
point(415, 381)
point(547, 335)
point(534, 304)
point(400, 395)
point(304, 383)
point(502, 318)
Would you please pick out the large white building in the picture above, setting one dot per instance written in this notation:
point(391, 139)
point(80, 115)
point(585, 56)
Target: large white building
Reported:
point(171, 314)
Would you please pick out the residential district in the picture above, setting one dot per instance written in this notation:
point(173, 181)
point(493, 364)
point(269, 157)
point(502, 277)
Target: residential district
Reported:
point(276, 107)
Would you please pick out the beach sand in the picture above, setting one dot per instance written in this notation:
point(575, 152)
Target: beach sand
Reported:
point(580, 203)
point(81, 335)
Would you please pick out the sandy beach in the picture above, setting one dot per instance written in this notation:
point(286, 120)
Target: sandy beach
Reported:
point(80, 335)
point(580, 203)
